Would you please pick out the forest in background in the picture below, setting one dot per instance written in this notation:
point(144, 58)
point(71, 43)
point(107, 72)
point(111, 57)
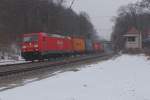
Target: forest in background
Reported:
point(51, 16)
point(132, 15)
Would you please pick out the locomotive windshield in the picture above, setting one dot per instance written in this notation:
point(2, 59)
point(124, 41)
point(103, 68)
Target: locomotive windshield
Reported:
point(30, 38)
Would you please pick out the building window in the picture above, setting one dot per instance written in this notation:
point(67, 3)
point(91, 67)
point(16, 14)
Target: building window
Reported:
point(131, 39)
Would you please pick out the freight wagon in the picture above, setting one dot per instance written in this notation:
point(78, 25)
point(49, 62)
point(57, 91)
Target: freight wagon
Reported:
point(98, 47)
point(78, 44)
point(108, 47)
point(89, 46)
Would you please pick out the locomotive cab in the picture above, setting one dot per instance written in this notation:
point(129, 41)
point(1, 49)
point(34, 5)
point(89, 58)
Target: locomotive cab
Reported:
point(30, 46)
point(30, 43)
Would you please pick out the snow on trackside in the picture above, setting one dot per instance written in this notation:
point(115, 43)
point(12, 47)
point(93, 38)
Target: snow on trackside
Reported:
point(17, 60)
point(123, 78)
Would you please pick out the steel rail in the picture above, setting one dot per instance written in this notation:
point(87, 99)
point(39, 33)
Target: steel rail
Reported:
point(19, 68)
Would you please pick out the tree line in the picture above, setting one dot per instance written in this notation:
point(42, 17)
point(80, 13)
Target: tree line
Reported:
point(132, 15)
point(51, 16)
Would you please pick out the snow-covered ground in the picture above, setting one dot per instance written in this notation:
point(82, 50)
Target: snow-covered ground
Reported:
point(7, 61)
point(123, 78)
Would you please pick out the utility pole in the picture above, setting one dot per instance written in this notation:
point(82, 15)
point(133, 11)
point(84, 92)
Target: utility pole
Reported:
point(72, 4)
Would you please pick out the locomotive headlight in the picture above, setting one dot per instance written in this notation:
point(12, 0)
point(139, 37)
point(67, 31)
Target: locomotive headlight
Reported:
point(24, 47)
point(36, 46)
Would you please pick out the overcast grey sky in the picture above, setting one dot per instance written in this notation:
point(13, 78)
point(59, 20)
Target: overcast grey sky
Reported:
point(101, 12)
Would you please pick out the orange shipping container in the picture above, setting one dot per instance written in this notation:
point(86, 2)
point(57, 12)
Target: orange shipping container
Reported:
point(78, 44)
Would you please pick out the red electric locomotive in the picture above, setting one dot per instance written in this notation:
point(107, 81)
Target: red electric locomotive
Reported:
point(41, 45)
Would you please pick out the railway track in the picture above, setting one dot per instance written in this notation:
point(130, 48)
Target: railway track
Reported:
point(30, 66)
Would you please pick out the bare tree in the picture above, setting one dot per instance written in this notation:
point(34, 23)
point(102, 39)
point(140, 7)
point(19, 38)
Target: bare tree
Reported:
point(132, 15)
point(25, 16)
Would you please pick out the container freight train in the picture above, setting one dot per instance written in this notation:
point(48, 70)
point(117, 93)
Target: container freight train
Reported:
point(38, 46)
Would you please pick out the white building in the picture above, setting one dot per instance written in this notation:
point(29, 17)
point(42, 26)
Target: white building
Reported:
point(133, 39)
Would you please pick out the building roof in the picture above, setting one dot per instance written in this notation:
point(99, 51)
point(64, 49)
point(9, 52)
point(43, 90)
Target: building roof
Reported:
point(133, 30)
